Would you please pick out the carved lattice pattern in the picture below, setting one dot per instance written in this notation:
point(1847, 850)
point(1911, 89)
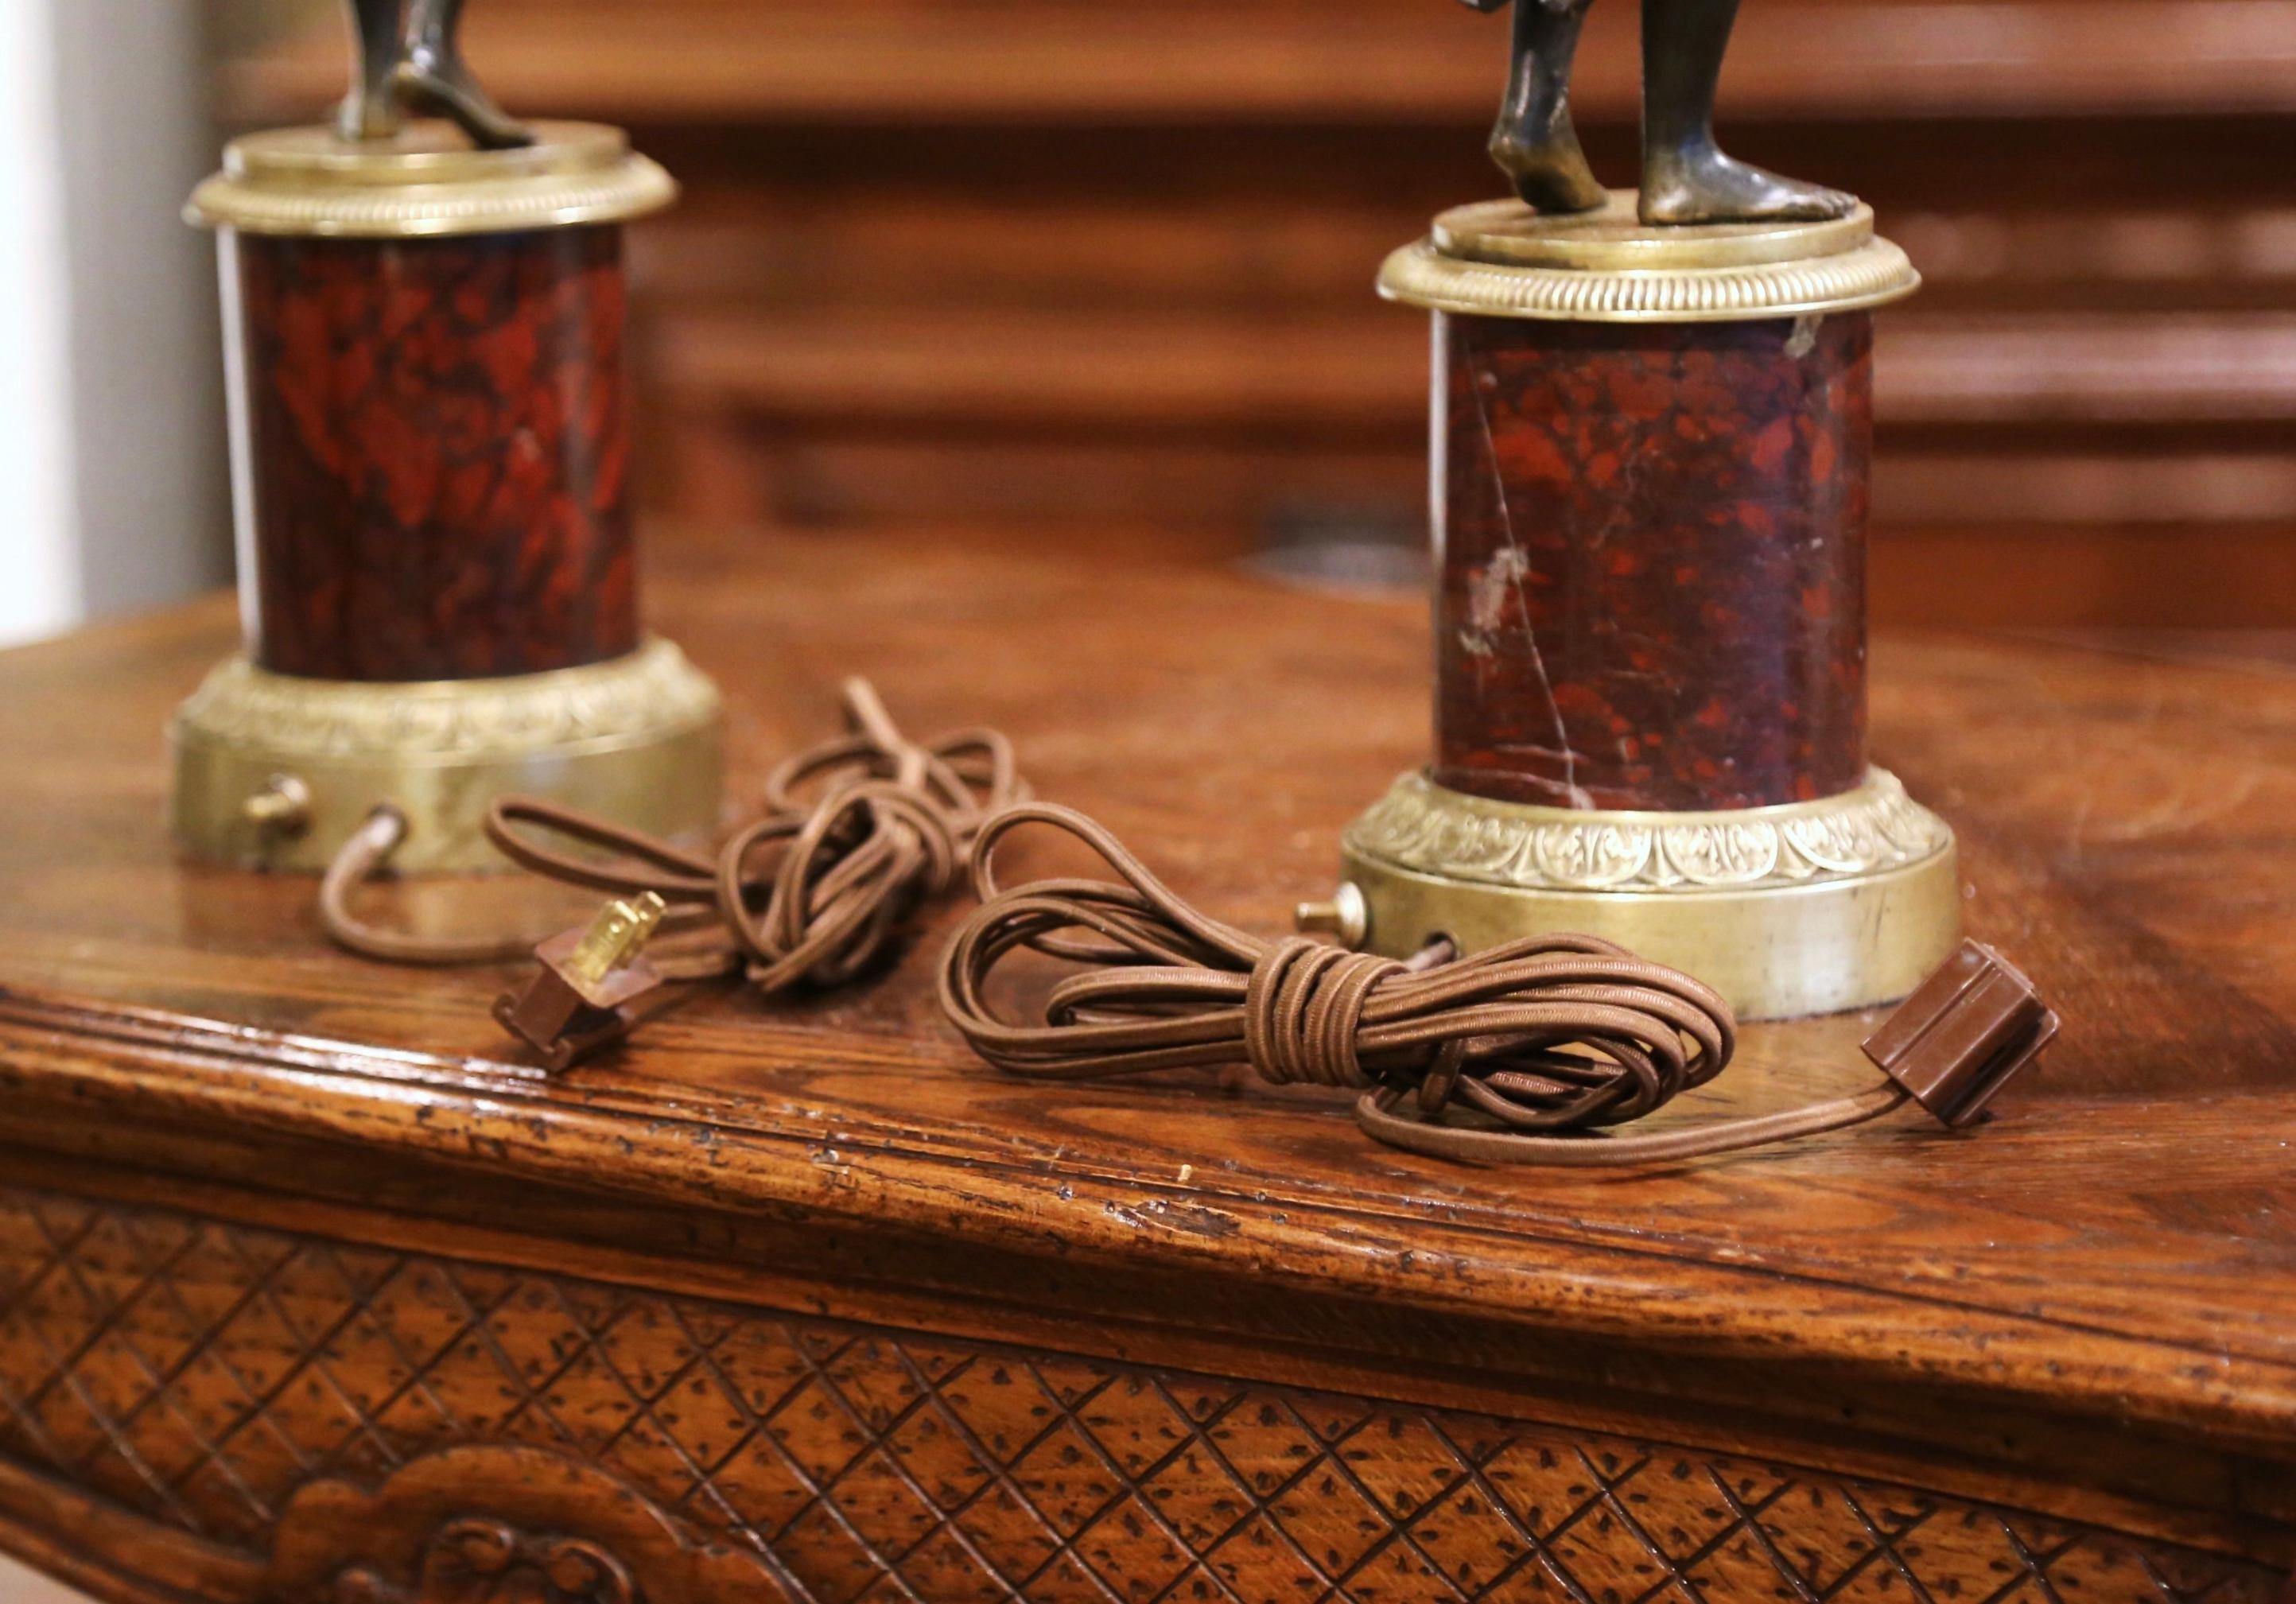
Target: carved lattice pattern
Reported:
point(198, 1373)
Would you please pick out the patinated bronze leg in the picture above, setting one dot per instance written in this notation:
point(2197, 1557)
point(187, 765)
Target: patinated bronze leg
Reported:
point(371, 112)
point(1685, 176)
point(437, 75)
point(1535, 143)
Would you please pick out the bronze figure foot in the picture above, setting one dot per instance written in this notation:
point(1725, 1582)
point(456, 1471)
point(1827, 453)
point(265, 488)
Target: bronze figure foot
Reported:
point(362, 116)
point(1535, 143)
point(1550, 175)
point(369, 112)
point(1706, 186)
point(453, 91)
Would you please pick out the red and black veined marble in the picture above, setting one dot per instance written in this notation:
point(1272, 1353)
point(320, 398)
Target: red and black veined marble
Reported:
point(1651, 588)
point(432, 453)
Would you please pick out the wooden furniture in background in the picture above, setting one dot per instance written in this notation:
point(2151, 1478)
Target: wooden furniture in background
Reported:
point(1043, 263)
point(309, 1292)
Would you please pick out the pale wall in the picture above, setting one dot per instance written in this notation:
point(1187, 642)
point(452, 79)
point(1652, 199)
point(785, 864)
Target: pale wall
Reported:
point(111, 472)
point(108, 435)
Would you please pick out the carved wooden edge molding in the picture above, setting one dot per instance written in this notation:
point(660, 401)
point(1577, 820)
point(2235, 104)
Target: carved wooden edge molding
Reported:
point(103, 1063)
point(474, 1523)
point(112, 1553)
point(232, 1412)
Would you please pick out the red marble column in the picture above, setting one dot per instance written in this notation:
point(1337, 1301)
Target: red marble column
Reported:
point(1651, 588)
point(431, 445)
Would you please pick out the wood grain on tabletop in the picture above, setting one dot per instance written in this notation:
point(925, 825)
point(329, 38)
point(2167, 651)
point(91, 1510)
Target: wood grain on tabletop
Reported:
point(2097, 1285)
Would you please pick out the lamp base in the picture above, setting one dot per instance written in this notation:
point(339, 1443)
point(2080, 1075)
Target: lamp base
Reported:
point(274, 771)
point(1813, 907)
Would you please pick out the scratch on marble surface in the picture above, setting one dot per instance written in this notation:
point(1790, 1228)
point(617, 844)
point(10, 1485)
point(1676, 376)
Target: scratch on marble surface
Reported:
point(1504, 575)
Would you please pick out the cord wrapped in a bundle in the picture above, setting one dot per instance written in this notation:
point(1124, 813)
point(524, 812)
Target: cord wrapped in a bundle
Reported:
point(1542, 1045)
point(857, 834)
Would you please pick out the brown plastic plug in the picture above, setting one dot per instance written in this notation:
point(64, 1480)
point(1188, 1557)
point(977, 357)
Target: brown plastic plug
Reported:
point(581, 999)
point(1960, 1038)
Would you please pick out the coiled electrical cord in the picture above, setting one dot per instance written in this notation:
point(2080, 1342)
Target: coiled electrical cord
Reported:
point(1545, 1041)
point(1531, 1052)
point(857, 833)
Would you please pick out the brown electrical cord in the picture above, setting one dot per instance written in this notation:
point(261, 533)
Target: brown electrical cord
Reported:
point(365, 855)
point(857, 833)
point(1548, 1040)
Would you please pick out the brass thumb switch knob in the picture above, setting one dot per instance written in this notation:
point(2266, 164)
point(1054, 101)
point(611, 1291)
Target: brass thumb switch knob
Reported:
point(282, 807)
point(1344, 917)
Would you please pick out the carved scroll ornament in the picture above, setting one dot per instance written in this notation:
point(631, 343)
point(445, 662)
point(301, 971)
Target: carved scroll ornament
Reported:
point(502, 1525)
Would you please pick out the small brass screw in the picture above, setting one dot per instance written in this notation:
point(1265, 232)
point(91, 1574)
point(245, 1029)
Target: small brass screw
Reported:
point(1344, 916)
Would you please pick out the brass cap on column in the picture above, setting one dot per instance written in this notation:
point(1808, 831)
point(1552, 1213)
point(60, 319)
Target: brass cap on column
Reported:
point(1500, 258)
point(427, 180)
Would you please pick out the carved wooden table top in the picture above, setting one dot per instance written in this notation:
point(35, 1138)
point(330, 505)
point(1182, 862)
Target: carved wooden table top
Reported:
point(307, 1288)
